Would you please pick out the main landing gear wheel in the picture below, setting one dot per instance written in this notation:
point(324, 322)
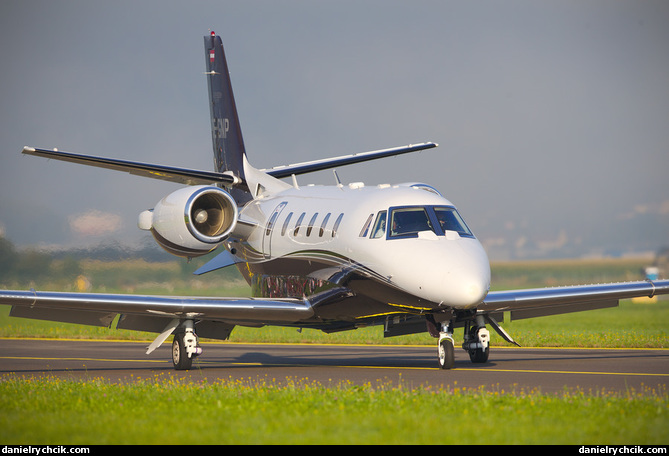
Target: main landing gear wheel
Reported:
point(477, 340)
point(479, 351)
point(446, 353)
point(479, 355)
point(185, 347)
point(180, 358)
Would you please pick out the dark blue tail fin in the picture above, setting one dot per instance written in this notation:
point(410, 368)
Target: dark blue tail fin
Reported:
point(225, 129)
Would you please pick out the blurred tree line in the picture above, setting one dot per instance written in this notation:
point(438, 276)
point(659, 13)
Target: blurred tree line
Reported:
point(29, 265)
point(109, 266)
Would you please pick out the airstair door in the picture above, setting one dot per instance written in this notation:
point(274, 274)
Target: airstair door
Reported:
point(269, 230)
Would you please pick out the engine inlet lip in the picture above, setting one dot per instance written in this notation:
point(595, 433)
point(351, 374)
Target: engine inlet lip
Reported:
point(190, 223)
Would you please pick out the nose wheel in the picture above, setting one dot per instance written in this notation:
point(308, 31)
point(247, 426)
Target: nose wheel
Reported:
point(446, 353)
point(446, 350)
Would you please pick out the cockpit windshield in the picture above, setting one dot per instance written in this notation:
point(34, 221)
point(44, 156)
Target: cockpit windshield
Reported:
point(406, 222)
point(409, 221)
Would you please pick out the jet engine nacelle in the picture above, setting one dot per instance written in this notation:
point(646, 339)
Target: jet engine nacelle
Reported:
point(191, 221)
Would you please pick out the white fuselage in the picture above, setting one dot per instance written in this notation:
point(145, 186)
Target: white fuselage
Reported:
point(356, 226)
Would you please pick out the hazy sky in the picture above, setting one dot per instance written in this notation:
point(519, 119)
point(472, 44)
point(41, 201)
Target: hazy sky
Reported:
point(552, 116)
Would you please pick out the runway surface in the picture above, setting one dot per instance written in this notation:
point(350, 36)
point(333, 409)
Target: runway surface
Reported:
point(509, 369)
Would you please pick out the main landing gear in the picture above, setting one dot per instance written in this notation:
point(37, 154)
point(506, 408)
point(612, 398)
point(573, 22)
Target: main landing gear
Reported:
point(185, 347)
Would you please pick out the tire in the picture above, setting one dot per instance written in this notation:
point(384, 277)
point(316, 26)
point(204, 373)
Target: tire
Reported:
point(446, 353)
point(180, 358)
point(479, 355)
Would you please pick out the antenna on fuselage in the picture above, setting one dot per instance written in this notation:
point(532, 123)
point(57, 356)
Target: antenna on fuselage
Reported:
point(337, 180)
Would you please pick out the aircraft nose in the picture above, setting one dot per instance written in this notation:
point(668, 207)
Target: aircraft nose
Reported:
point(463, 280)
point(466, 288)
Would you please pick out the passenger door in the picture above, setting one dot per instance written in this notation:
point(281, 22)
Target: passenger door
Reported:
point(269, 230)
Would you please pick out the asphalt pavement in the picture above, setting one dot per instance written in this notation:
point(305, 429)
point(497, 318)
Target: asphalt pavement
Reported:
point(508, 369)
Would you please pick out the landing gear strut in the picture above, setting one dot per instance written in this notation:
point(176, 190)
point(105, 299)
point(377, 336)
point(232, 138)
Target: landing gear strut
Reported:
point(185, 347)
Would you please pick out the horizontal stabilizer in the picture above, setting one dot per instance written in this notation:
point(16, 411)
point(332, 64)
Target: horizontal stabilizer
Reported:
point(168, 173)
point(328, 163)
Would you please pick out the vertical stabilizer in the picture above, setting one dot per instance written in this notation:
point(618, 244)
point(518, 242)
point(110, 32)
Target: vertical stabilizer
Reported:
point(225, 129)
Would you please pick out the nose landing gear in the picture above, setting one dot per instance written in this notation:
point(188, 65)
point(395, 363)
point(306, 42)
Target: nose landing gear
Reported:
point(476, 338)
point(446, 349)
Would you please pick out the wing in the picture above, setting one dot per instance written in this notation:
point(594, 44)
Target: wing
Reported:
point(551, 301)
point(169, 173)
point(319, 165)
point(149, 313)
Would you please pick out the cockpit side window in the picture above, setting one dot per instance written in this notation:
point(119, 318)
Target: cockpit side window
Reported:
point(379, 229)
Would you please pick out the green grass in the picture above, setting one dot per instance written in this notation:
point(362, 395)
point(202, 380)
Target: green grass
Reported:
point(166, 410)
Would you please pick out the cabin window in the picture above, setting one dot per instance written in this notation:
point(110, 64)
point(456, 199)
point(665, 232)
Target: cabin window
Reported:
point(336, 224)
point(311, 224)
point(298, 223)
point(365, 227)
point(285, 224)
point(321, 232)
point(379, 229)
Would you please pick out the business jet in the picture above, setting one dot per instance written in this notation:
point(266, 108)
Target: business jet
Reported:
point(332, 258)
